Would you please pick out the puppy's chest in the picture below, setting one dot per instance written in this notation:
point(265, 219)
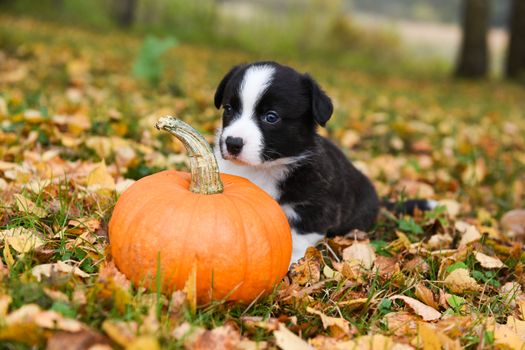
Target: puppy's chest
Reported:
point(269, 179)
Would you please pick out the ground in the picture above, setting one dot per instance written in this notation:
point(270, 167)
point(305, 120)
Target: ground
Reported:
point(77, 128)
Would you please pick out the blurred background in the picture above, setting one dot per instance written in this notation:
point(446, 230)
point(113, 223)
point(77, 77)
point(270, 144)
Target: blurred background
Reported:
point(468, 38)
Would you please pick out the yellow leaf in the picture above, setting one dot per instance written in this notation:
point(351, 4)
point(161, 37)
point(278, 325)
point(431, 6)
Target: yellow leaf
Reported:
point(361, 252)
point(190, 288)
point(459, 281)
point(99, 180)
point(21, 239)
point(328, 321)
point(427, 337)
point(5, 301)
point(8, 257)
point(122, 333)
point(144, 343)
point(27, 206)
point(286, 340)
point(506, 338)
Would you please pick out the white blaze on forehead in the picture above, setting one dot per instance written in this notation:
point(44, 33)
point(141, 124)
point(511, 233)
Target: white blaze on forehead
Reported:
point(255, 82)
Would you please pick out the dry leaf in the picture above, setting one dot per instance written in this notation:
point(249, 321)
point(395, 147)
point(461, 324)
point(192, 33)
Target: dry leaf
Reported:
point(329, 322)
point(287, 340)
point(27, 206)
point(505, 337)
point(122, 333)
point(21, 239)
point(513, 222)
point(469, 233)
point(59, 267)
point(85, 339)
point(425, 295)
point(489, 262)
point(224, 337)
point(100, 181)
point(362, 252)
point(426, 312)
point(190, 288)
point(144, 342)
point(459, 281)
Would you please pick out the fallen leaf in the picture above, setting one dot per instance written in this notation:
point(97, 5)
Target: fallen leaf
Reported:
point(287, 340)
point(362, 252)
point(426, 312)
point(505, 337)
point(22, 239)
point(85, 339)
point(100, 181)
point(510, 292)
point(489, 262)
point(426, 296)
point(59, 267)
point(329, 322)
point(427, 337)
point(469, 233)
point(224, 337)
point(513, 222)
point(459, 281)
point(452, 207)
point(27, 206)
point(145, 342)
point(121, 332)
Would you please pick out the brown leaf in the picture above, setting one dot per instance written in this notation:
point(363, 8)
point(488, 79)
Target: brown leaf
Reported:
point(331, 322)
point(425, 295)
point(220, 338)
point(307, 269)
point(144, 342)
point(426, 312)
point(82, 340)
point(513, 222)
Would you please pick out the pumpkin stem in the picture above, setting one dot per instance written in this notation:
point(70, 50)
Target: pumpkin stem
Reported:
point(205, 178)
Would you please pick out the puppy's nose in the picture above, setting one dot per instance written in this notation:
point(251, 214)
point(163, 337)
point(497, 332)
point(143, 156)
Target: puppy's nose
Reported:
point(234, 145)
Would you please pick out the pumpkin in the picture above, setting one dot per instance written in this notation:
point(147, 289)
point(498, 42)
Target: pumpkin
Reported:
point(232, 232)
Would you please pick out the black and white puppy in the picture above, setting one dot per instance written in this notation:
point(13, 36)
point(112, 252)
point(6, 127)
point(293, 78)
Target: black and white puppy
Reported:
point(268, 135)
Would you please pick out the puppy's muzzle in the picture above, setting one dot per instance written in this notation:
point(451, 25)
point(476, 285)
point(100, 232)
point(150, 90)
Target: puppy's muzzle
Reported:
point(234, 145)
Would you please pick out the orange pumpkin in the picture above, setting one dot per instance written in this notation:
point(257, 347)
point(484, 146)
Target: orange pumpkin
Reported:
point(235, 234)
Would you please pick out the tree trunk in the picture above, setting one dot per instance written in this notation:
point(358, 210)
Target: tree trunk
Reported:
point(473, 57)
point(516, 51)
point(124, 12)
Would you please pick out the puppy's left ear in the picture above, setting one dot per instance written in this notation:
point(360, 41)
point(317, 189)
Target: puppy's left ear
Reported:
point(222, 85)
point(321, 104)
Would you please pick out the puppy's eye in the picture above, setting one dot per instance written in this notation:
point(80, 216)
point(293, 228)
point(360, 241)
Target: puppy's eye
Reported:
point(271, 117)
point(228, 109)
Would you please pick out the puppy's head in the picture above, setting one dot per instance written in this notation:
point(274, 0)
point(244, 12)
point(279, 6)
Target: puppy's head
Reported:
point(270, 113)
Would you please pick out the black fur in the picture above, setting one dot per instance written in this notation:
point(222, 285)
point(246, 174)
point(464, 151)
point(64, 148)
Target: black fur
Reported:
point(327, 192)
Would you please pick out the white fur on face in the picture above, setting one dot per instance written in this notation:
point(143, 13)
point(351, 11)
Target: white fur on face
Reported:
point(256, 80)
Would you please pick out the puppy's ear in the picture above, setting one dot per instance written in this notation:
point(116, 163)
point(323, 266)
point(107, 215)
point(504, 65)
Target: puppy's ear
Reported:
point(222, 85)
point(321, 104)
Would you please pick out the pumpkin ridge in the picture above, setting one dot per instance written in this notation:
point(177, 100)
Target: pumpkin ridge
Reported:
point(268, 239)
point(194, 208)
point(245, 245)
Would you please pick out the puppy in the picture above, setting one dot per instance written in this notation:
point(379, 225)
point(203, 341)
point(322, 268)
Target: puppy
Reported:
point(268, 135)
